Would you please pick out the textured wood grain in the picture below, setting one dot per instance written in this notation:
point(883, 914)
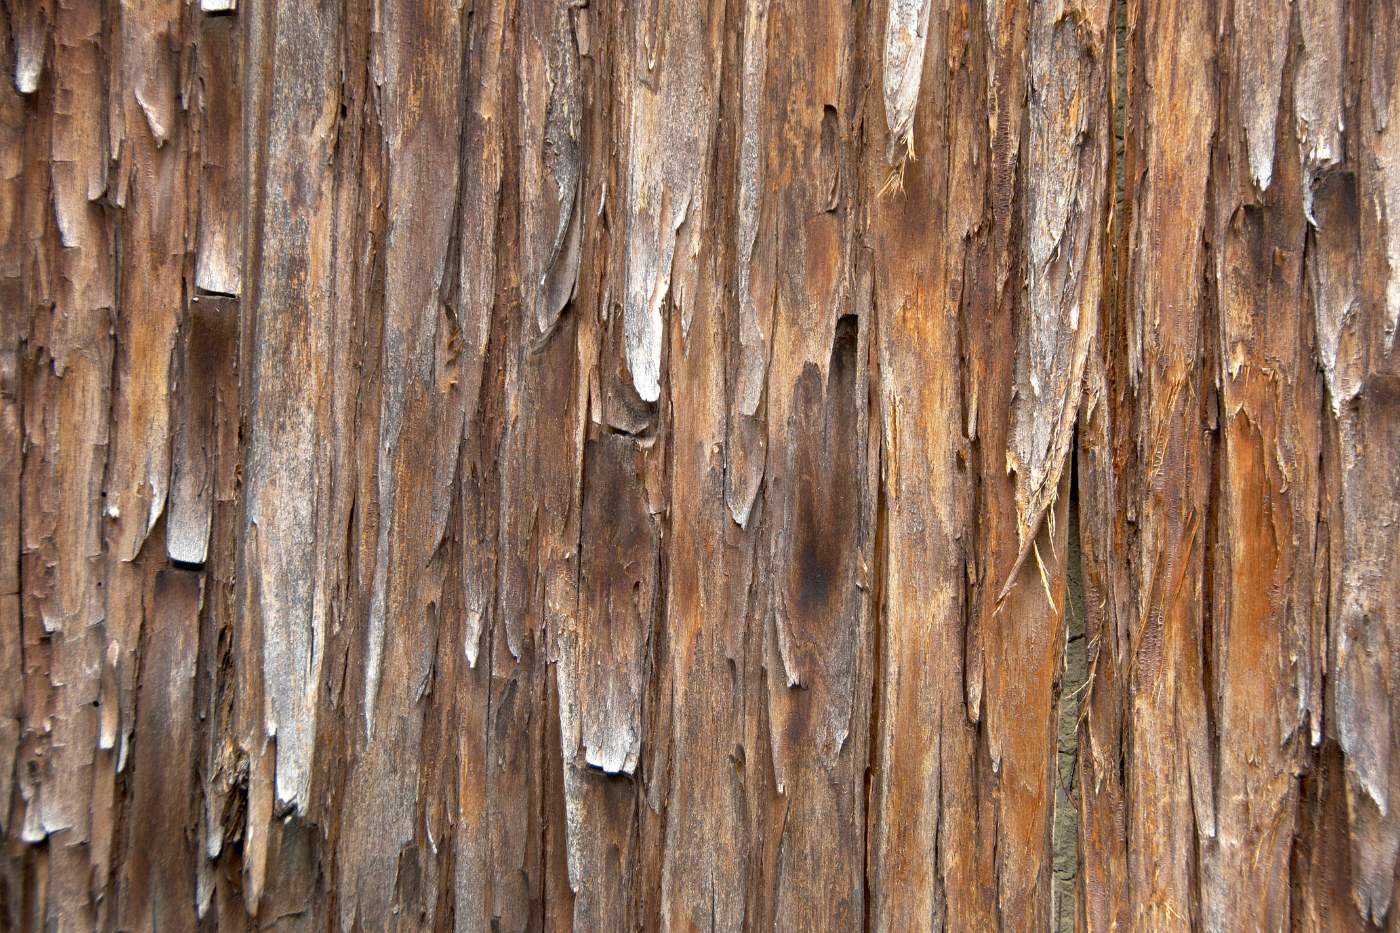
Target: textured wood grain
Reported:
point(1169, 776)
point(550, 464)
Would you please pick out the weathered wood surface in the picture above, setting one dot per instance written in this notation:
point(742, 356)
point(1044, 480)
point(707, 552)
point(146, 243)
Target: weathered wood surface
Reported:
point(523, 464)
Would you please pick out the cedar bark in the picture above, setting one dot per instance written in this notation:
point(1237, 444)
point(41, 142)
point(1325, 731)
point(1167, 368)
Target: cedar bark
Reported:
point(699, 464)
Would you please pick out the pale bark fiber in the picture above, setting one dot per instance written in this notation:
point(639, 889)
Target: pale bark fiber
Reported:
point(524, 464)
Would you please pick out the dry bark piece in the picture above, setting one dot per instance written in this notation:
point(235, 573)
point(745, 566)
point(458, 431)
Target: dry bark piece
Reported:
point(528, 464)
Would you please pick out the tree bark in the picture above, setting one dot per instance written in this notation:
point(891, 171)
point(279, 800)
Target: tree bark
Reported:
point(699, 464)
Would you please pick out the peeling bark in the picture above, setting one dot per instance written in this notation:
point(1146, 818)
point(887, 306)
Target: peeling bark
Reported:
point(527, 464)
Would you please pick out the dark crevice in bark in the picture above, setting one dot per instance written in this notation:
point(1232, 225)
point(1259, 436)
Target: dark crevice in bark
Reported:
point(1073, 683)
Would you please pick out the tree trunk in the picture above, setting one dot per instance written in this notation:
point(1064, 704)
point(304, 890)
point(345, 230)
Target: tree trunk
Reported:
point(699, 464)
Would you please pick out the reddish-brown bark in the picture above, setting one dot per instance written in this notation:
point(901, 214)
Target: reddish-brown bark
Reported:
point(526, 464)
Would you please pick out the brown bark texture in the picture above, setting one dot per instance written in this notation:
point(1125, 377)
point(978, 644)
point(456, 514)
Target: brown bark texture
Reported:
point(699, 465)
